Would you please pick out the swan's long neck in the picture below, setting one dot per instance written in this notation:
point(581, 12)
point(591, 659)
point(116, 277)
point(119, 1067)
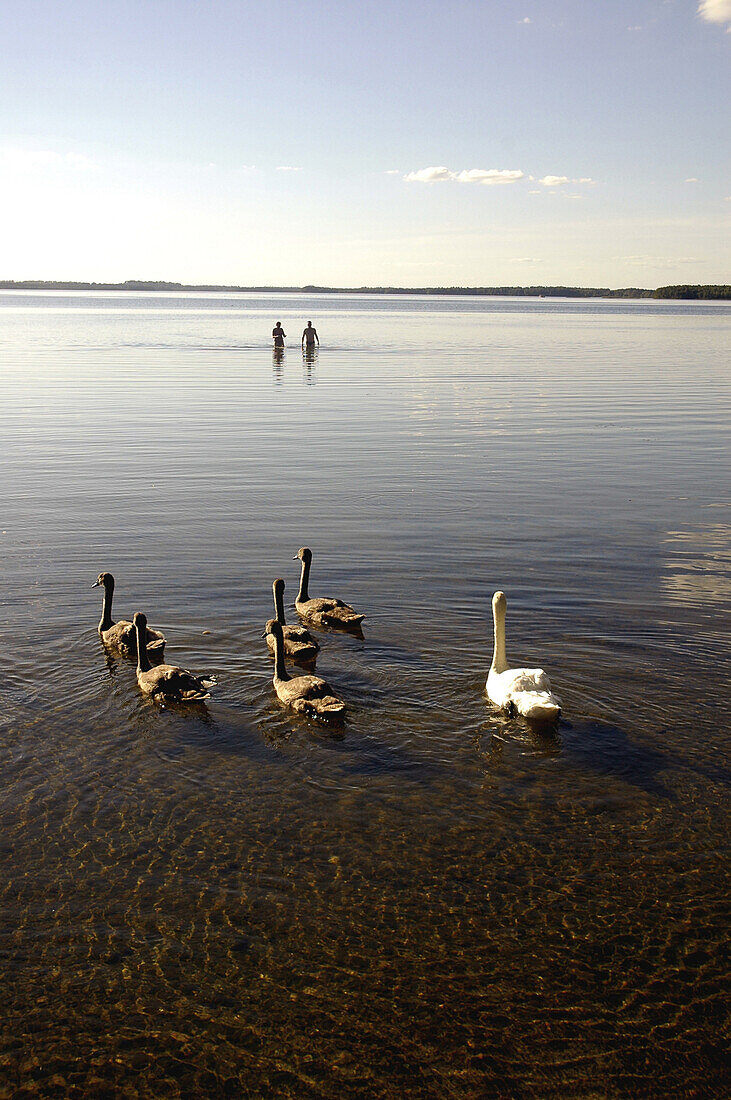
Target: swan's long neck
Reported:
point(143, 661)
point(279, 604)
point(499, 660)
point(106, 620)
point(280, 669)
point(303, 593)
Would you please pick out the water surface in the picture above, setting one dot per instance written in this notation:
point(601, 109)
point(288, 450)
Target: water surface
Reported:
point(436, 901)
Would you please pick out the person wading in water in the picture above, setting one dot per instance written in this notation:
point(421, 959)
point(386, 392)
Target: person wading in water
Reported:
point(309, 336)
point(279, 334)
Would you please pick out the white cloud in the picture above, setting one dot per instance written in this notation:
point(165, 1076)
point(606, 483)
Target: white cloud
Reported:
point(691, 179)
point(430, 175)
point(392, 172)
point(526, 260)
point(287, 168)
point(715, 11)
point(525, 20)
point(554, 181)
point(489, 176)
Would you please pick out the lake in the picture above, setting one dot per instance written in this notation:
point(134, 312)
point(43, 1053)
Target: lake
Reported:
point(435, 900)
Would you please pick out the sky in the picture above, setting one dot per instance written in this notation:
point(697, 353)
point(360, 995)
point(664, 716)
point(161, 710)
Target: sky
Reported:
point(366, 143)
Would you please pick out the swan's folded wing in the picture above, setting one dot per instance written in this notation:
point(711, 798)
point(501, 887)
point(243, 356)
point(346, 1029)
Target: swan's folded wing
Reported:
point(528, 679)
point(180, 682)
point(310, 687)
point(299, 634)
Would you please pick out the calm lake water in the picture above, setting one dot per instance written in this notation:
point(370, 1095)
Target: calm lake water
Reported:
point(435, 901)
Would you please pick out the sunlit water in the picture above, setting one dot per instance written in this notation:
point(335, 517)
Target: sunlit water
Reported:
point(437, 900)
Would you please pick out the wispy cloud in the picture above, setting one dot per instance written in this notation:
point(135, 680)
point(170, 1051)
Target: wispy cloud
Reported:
point(489, 176)
point(392, 172)
point(287, 168)
point(561, 181)
point(526, 260)
point(691, 179)
point(525, 20)
point(715, 11)
point(663, 262)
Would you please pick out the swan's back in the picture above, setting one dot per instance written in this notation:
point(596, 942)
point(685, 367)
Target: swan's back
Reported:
point(526, 691)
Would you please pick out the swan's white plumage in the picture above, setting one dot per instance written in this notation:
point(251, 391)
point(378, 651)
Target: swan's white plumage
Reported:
point(525, 690)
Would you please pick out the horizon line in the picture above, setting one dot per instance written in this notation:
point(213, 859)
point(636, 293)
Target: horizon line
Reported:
point(533, 290)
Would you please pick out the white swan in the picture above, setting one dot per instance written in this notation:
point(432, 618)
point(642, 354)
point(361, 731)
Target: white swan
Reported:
point(526, 691)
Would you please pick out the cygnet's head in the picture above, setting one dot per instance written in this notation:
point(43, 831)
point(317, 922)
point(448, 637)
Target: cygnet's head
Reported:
point(104, 580)
point(304, 554)
point(274, 628)
point(139, 620)
point(278, 586)
point(499, 603)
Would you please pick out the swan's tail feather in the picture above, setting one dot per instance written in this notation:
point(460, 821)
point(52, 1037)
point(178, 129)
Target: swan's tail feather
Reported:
point(343, 616)
point(540, 706)
point(353, 619)
point(327, 707)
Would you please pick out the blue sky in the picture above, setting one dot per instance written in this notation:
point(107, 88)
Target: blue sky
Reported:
point(473, 142)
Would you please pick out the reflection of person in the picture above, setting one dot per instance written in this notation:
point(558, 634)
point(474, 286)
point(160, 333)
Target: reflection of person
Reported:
point(309, 336)
point(278, 333)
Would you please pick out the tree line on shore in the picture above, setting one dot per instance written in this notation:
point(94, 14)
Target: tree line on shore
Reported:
point(684, 291)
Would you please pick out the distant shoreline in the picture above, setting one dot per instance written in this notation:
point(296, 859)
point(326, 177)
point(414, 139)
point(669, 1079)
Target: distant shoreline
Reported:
point(707, 292)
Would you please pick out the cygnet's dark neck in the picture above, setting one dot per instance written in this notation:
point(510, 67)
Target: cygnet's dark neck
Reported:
point(279, 603)
point(280, 669)
point(106, 620)
point(303, 593)
point(143, 661)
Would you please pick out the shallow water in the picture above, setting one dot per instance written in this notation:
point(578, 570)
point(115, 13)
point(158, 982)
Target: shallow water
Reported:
point(435, 900)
